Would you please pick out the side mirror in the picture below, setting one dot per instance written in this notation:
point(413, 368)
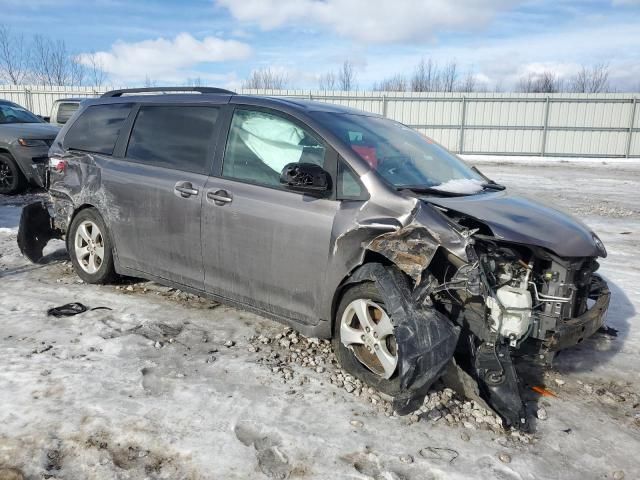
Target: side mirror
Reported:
point(306, 177)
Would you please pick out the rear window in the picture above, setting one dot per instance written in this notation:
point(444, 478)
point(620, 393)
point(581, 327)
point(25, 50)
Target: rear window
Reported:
point(97, 128)
point(65, 111)
point(176, 137)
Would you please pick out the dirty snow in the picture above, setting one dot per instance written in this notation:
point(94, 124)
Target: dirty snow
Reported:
point(166, 385)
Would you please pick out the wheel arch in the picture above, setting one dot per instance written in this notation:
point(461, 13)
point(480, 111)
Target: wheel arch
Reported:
point(6, 151)
point(350, 280)
point(74, 214)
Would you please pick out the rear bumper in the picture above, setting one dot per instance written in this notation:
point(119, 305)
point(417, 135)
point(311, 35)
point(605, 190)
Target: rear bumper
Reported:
point(574, 331)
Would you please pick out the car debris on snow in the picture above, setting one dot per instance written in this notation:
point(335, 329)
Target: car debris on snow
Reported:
point(282, 358)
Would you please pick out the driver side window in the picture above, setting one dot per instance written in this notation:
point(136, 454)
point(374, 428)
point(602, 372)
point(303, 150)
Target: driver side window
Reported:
point(260, 144)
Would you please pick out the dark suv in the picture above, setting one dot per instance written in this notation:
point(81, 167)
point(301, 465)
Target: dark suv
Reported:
point(337, 222)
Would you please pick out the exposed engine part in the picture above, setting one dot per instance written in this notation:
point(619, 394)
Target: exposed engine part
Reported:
point(511, 312)
point(511, 304)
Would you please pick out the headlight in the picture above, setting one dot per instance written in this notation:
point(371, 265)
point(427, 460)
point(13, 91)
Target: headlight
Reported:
point(32, 142)
point(599, 245)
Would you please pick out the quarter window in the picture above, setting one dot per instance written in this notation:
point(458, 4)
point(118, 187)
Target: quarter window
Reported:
point(177, 137)
point(97, 128)
point(349, 187)
point(261, 144)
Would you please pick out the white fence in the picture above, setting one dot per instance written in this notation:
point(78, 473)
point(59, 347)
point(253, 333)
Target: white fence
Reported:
point(581, 125)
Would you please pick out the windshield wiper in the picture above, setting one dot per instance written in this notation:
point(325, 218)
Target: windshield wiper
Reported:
point(436, 191)
point(491, 185)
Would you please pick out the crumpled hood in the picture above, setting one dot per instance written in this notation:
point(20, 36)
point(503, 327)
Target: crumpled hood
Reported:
point(42, 131)
point(520, 220)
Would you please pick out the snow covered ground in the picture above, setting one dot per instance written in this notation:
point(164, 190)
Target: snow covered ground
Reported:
point(149, 389)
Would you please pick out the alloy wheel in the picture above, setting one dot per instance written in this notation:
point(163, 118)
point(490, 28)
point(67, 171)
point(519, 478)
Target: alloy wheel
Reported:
point(89, 246)
point(6, 175)
point(366, 329)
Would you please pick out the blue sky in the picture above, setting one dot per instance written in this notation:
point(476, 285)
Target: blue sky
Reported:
point(222, 41)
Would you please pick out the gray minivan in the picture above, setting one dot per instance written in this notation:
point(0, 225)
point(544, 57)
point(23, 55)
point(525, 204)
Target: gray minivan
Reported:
point(341, 223)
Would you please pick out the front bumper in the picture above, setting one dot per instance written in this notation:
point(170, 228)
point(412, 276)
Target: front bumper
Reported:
point(32, 161)
point(574, 331)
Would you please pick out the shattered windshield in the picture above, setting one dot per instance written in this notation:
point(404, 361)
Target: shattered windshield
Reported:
point(402, 156)
point(15, 114)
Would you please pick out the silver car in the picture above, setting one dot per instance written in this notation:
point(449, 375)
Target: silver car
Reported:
point(338, 222)
point(24, 145)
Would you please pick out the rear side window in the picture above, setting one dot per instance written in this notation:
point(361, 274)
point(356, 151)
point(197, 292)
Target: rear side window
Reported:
point(65, 111)
point(177, 137)
point(97, 128)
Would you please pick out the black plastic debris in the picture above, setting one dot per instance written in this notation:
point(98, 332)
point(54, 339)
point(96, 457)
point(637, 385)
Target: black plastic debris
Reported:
point(71, 309)
point(35, 231)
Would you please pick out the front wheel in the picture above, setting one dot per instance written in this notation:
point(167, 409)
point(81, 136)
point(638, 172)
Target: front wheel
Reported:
point(12, 180)
point(363, 338)
point(90, 247)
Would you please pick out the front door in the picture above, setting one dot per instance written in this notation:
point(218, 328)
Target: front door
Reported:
point(263, 245)
point(159, 186)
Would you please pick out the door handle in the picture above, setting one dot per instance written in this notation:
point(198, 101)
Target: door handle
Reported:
point(220, 197)
point(185, 189)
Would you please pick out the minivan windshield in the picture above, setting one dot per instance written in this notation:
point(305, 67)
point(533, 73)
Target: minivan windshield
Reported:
point(15, 114)
point(402, 156)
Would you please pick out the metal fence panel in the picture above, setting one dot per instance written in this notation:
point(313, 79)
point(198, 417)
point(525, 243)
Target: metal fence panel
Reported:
point(561, 124)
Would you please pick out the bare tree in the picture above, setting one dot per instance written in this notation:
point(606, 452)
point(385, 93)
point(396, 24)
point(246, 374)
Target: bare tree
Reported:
point(149, 82)
point(449, 77)
point(591, 80)
point(347, 77)
point(95, 70)
point(545, 82)
point(53, 65)
point(266, 78)
point(328, 81)
point(397, 83)
point(343, 79)
point(14, 57)
point(194, 82)
point(468, 84)
point(425, 77)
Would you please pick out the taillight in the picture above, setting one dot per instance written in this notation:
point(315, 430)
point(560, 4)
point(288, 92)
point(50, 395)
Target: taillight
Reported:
point(58, 164)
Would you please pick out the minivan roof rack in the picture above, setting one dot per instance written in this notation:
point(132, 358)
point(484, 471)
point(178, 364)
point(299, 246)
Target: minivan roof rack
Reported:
point(119, 93)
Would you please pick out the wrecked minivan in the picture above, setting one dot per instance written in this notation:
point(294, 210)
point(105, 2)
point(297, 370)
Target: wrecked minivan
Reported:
point(337, 222)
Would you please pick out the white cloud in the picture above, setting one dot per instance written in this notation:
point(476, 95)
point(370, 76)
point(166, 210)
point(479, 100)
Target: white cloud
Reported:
point(625, 3)
point(370, 21)
point(502, 62)
point(164, 58)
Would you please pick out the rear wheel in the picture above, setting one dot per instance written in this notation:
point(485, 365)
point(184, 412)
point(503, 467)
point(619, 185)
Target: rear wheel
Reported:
point(90, 247)
point(12, 180)
point(363, 339)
